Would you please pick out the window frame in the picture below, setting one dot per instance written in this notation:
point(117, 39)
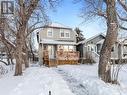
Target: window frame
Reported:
point(68, 34)
point(49, 30)
point(61, 31)
point(64, 32)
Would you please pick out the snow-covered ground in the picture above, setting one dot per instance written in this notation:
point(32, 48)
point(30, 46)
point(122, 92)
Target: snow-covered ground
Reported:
point(35, 81)
point(87, 76)
point(63, 80)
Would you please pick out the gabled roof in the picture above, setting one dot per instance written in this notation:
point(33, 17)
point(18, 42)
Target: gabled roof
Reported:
point(100, 34)
point(57, 25)
point(84, 41)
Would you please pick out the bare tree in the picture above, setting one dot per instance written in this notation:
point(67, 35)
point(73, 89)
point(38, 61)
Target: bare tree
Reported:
point(26, 12)
point(111, 37)
point(107, 10)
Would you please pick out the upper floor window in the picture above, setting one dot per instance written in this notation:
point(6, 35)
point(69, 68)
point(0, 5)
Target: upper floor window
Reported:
point(67, 34)
point(64, 34)
point(49, 33)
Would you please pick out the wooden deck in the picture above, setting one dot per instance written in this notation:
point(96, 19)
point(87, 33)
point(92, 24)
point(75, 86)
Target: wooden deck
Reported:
point(55, 63)
point(62, 58)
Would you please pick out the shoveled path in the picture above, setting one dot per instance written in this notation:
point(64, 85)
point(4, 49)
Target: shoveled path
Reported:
point(75, 86)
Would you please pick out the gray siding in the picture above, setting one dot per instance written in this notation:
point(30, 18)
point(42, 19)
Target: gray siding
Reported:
point(56, 34)
point(95, 40)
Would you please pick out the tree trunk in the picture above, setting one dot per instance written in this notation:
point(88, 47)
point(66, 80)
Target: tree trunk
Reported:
point(30, 43)
point(104, 69)
point(21, 53)
point(19, 58)
point(25, 50)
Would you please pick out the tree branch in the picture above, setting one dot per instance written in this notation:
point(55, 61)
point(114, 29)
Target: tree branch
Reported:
point(102, 14)
point(30, 8)
point(123, 5)
point(121, 18)
point(31, 30)
point(6, 41)
point(121, 27)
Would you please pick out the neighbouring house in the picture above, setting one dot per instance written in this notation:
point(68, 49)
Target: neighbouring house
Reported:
point(120, 49)
point(55, 37)
point(93, 45)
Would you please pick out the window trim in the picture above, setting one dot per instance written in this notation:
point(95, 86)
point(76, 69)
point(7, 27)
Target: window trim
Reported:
point(49, 30)
point(68, 33)
point(61, 30)
point(60, 33)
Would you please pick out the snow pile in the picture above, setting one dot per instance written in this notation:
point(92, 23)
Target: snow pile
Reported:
point(8, 82)
point(98, 87)
point(3, 69)
point(87, 76)
point(122, 77)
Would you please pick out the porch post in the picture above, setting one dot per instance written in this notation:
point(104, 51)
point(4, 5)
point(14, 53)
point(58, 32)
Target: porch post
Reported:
point(40, 54)
point(55, 50)
point(122, 47)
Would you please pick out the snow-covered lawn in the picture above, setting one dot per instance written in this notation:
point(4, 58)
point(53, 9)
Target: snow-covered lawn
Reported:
point(88, 77)
point(63, 80)
point(35, 81)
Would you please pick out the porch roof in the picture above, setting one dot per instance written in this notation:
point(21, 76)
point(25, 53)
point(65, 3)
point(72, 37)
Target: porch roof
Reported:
point(50, 41)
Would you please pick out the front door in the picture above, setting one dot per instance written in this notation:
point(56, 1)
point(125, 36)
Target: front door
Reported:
point(51, 51)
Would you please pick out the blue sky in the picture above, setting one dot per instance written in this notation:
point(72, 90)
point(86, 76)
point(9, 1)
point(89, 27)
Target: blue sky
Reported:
point(67, 13)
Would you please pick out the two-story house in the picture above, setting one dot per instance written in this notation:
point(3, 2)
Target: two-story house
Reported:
point(54, 37)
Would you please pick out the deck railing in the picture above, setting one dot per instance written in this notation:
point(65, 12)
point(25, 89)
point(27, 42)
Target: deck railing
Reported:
point(67, 57)
point(62, 57)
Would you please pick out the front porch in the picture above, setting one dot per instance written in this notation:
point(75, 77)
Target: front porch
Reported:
point(55, 53)
point(62, 57)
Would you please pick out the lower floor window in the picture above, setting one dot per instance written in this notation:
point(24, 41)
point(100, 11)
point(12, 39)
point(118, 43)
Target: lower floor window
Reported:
point(66, 48)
